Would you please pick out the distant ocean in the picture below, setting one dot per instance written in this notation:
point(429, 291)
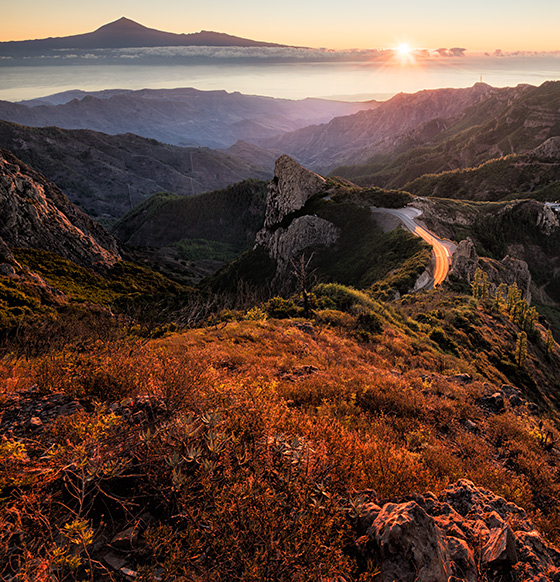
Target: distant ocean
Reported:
point(359, 80)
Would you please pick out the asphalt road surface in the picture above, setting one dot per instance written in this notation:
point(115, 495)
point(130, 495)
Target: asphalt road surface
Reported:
point(442, 249)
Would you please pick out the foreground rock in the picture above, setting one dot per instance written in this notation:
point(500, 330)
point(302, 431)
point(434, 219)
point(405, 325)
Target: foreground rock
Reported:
point(466, 534)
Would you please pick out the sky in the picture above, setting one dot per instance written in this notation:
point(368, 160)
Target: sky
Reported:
point(477, 25)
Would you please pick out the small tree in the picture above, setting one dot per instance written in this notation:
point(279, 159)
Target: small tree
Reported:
point(300, 270)
point(513, 296)
point(501, 294)
point(521, 349)
point(549, 342)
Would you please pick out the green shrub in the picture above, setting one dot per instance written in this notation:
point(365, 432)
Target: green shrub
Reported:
point(281, 308)
point(345, 298)
point(438, 336)
point(370, 322)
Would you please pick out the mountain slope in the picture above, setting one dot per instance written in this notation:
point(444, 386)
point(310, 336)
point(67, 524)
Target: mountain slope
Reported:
point(184, 116)
point(357, 137)
point(124, 33)
point(231, 216)
point(35, 214)
point(512, 121)
point(535, 174)
point(108, 175)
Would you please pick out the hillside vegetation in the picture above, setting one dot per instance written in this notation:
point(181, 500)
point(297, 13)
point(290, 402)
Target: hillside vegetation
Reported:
point(249, 449)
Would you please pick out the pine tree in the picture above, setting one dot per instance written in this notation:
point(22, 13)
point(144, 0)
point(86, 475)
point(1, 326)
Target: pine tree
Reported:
point(513, 296)
point(476, 284)
point(521, 349)
point(484, 286)
point(501, 294)
point(549, 343)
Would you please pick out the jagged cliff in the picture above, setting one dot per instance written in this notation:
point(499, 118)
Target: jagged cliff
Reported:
point(34, 213)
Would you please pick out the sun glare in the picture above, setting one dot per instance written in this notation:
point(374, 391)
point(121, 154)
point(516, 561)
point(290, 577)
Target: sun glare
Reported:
point(404, 49)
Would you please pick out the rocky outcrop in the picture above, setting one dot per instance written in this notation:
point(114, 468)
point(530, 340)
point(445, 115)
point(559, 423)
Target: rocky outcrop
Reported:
point(465, 262)
point(291, 187)
point(549, 151)
point(286, 237)
point(34, 213)
point(466, 534)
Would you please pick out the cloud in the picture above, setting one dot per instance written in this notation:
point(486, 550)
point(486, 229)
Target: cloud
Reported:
point(449, 52)
point(250, 53)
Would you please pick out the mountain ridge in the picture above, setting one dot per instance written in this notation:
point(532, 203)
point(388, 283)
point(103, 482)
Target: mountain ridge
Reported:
point(355, 138)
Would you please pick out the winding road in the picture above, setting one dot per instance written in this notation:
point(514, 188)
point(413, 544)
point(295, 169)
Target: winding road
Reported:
point(443, 249)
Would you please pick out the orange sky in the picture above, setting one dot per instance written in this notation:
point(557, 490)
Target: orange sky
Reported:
point(477, 25)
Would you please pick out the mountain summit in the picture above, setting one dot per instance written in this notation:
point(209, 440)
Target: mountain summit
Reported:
point(125, 33)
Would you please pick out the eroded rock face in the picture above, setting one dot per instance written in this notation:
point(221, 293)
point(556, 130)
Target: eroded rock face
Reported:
point(291, 187)
point(466, 534)
point(34, 213)
point(547, 220)
point(304, 232)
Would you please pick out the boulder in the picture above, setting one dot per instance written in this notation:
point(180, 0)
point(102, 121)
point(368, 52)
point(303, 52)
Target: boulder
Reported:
point(465, 534)
point(499, 552)
point(410, 545)
point(494, 403)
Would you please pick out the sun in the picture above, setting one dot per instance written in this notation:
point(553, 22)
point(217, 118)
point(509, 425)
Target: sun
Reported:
point(404, 49)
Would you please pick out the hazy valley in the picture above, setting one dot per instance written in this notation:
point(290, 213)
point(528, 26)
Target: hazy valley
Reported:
point(250, 372)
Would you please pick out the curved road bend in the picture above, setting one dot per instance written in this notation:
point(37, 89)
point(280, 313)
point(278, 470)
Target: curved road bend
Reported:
point(443, 249)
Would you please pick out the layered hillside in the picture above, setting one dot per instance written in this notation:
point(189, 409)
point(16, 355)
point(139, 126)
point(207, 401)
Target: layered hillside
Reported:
point(396, 123)
point(510, 121)
point(185, 117)
point(108, 175)
point(535, 174)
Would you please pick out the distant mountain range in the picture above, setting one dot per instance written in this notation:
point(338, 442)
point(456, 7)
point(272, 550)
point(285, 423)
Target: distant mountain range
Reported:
point(125, 33)
point(185, 117)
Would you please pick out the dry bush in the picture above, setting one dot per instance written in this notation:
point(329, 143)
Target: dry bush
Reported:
point(270, 429)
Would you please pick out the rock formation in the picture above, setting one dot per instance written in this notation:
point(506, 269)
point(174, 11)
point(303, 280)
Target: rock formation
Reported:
point(285, 237)
point(466, 534)
point(34, 213)
point(466, 261)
